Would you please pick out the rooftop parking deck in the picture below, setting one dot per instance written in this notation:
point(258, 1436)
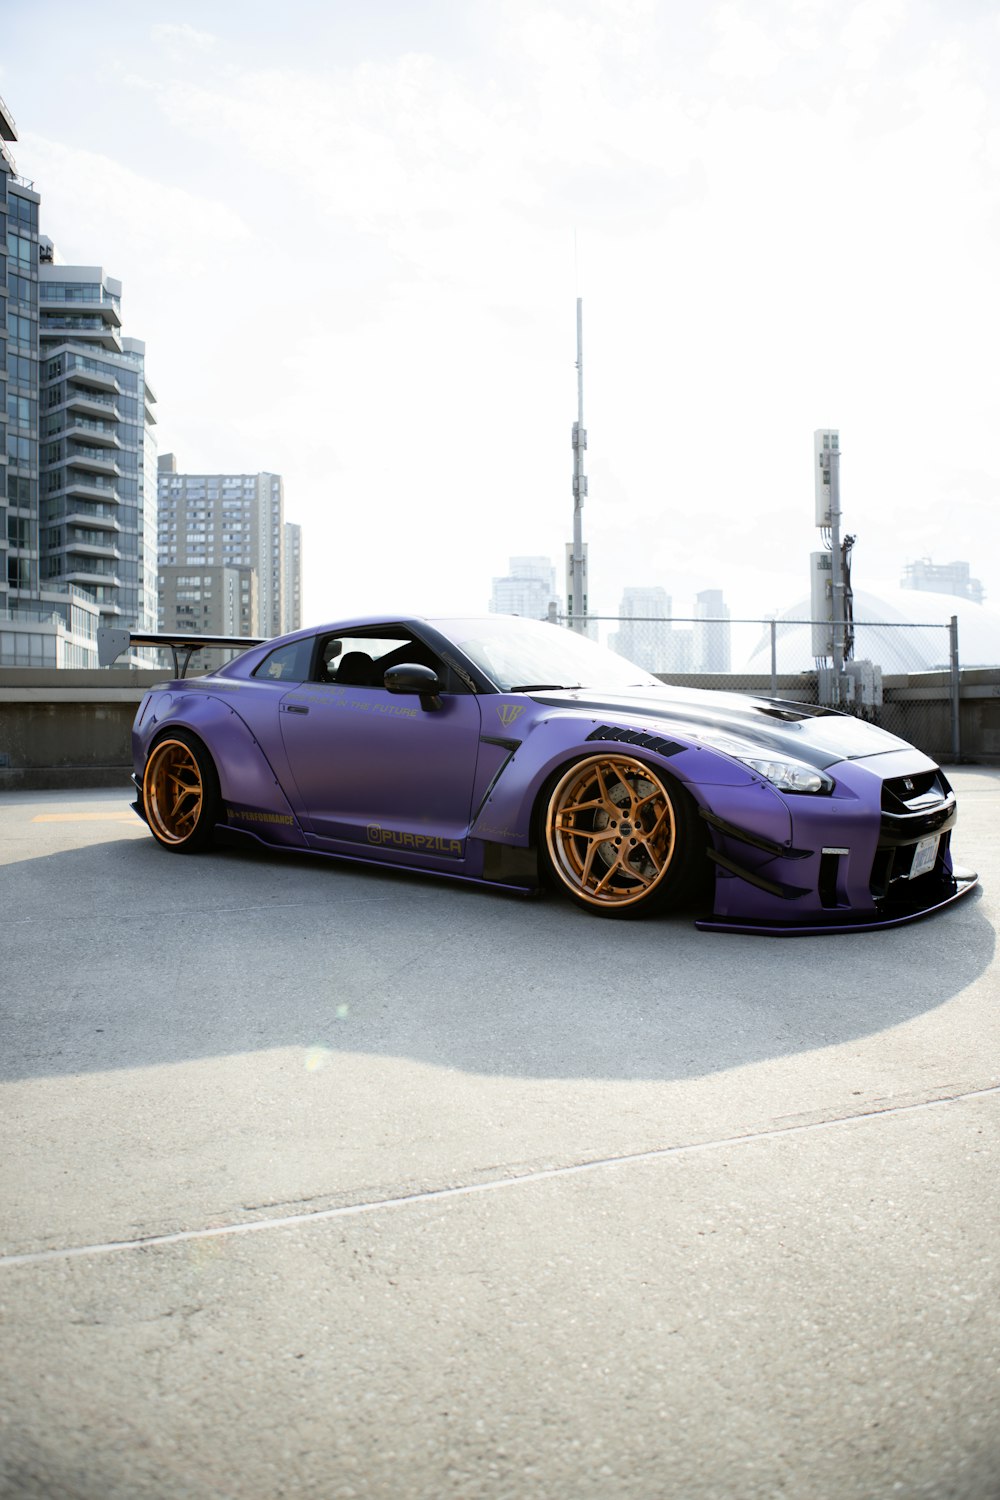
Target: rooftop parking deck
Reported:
point(332, 1181)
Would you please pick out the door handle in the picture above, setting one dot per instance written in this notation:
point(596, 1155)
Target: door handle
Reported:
point(294, 708)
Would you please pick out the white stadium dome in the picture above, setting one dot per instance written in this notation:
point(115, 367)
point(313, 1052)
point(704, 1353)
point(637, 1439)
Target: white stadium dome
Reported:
point(880, 635)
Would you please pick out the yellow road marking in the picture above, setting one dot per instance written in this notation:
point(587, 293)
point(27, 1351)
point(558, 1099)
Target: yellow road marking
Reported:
point(116, 817)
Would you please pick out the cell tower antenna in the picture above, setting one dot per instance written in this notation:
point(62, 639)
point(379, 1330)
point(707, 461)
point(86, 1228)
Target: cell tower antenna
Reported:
point(576, 551)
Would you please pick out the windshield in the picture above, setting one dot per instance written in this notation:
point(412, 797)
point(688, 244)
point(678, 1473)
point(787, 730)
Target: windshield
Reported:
point(528, 654)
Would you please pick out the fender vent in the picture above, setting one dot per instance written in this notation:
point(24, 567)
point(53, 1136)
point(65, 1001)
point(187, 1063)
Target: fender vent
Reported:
point(636, 737)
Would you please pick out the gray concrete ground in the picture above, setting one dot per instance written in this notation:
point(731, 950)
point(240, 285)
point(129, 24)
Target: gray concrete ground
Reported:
point(322, 1181)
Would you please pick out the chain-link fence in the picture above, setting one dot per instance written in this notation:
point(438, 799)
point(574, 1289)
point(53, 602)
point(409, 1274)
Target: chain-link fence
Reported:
point(902, 676)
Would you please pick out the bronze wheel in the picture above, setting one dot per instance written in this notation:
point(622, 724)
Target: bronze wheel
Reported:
point(617, 834)
point(179, 793)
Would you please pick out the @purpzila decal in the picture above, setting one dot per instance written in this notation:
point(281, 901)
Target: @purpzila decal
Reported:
point(429, 843)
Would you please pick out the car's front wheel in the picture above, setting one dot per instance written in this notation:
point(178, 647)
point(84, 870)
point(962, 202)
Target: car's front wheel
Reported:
point(621, 838)
point(180, 793)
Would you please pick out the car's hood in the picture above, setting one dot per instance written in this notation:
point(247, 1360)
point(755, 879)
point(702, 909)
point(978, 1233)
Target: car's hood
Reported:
point(818, 736)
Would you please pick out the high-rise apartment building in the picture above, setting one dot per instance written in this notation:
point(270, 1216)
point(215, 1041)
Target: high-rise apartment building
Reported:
point(645, 636)
point(712, 632)
point(211, 524)
point(291, 595)
point(77, 455)
point(528, 589)
point(649, 634)
point(97, 447)
point(19, 376)
point(207, 600)
point(40, 625)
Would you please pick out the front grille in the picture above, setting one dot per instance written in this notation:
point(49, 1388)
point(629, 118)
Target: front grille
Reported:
point(915, 806)
point(902, 795)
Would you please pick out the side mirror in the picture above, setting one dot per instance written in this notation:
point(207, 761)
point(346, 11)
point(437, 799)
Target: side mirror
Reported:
point(412, 677)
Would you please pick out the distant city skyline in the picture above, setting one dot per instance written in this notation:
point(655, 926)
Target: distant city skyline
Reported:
point(528, 588)
point(654, 637)
point(444, 181)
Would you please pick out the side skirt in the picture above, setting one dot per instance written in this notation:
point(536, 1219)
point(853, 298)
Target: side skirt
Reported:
point(373, 862)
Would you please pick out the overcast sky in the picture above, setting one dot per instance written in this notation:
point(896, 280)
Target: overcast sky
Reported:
point(352, 235)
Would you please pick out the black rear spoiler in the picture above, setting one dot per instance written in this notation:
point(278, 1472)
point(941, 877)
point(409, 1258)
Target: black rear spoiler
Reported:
point(112, 643)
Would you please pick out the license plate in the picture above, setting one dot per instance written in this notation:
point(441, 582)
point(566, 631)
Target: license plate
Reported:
point(924, 856)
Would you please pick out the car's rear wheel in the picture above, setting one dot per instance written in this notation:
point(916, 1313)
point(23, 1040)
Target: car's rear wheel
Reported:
point(621, 838)
point(180, 793)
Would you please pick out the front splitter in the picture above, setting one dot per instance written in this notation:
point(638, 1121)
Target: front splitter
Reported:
point(892, 913)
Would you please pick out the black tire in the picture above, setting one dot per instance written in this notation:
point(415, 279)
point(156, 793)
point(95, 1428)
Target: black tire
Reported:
point(620, 838)
point(180, 793)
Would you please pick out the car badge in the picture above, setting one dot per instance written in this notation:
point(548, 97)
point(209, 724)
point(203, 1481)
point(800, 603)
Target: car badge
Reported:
point(509, 712)
point(908, 783)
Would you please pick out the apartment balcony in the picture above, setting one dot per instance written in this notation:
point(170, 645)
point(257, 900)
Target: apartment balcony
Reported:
point(73, 308)
point(84, 329)
point(87, 489)
point(87, 401)
point(89, 522)
point(93, 576)
point(81, 374)
point(82, 431)
point(8, 129)
point(74, 549)
point(94, 461)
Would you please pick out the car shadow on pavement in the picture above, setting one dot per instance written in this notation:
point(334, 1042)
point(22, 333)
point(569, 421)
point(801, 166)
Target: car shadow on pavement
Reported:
point(122, 956)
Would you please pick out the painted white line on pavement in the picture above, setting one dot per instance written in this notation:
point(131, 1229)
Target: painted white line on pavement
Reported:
point(429, 1195)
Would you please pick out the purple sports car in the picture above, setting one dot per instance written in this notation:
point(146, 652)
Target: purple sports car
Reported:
point(515, 753)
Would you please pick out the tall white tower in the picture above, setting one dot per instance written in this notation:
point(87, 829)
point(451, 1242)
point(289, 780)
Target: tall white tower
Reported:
point(826, 575)
point(576, 551)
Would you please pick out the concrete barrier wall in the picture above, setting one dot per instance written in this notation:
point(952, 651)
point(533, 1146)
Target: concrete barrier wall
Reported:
point(980, 716)
point(68, 729)
point(73, 729)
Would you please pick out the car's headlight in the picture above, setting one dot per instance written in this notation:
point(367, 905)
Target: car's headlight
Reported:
point(786, 774)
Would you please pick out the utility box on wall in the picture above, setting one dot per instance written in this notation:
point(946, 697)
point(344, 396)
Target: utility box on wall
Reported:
point(863, 685)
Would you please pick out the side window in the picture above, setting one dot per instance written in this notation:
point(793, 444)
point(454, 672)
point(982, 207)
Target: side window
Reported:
point(287, 663)
point(355, 660)
point(362, 660)
point(331, 652)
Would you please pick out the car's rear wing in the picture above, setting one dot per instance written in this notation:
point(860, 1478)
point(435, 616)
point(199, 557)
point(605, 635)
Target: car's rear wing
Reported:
point(112, 643)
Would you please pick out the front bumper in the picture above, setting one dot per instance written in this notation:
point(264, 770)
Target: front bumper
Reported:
point(876, 853)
